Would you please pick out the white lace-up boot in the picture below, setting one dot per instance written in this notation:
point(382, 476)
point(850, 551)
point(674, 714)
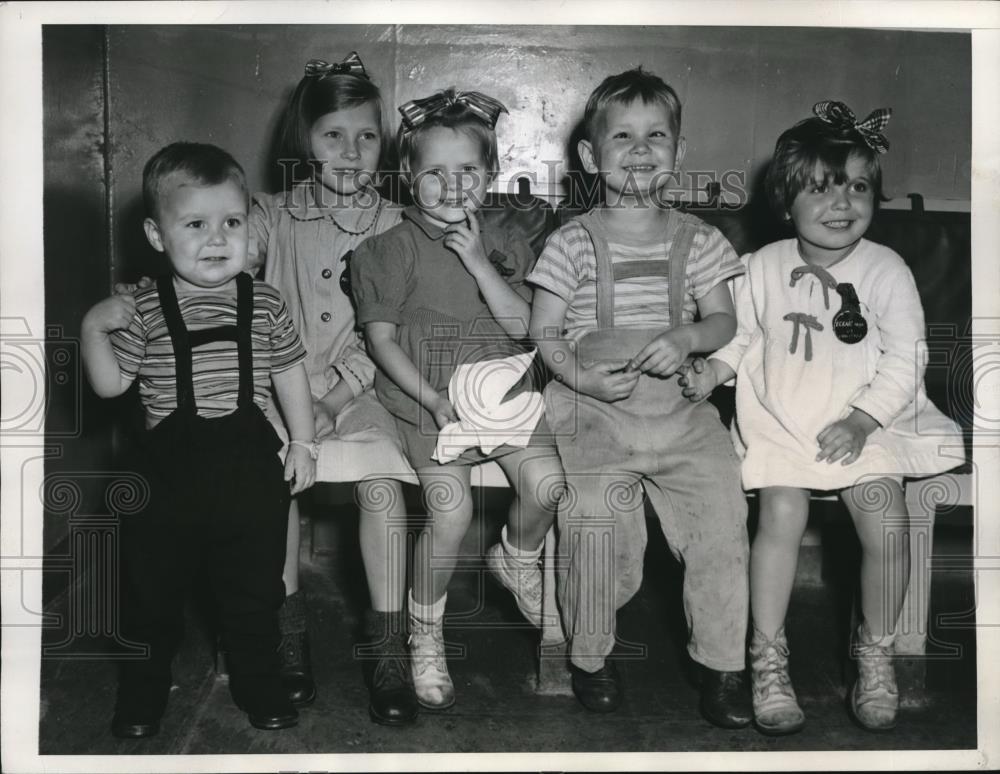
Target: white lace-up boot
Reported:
point(874, 696)
point(427, 661)
point(775, 707)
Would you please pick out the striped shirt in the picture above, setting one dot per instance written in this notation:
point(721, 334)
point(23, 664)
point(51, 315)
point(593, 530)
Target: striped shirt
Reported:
point(144, 350)
point(567, 267)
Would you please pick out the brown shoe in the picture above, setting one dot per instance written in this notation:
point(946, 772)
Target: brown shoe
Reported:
point(599, 691)
point(293, 651)
point(393, 701)
point(725, 700)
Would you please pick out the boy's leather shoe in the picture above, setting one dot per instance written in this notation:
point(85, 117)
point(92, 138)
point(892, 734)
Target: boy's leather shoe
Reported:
point(599, 691)
point(274, 718)
point(296, 669)
point(139, 705)
point(725, 700)
point(264, 700)
point(293, 651)
point(124, 728)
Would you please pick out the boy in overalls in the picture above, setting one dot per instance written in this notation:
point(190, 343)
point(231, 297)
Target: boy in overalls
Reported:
point(204, 342)
point(617, 290)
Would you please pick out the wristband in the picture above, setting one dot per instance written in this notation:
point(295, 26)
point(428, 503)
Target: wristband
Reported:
point(311, 446)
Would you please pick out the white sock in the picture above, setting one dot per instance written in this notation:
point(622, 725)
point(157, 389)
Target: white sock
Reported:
point(519, 555)
point(865, 635)
point(432, 612)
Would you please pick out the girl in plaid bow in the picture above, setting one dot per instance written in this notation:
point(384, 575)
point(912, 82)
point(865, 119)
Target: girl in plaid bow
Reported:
point(852, 395)
point(441, 290)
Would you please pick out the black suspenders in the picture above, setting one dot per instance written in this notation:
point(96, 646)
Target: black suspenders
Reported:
point(184, 340)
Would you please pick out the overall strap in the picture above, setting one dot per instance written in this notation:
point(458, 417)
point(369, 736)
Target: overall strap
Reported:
point(677, 278)
point(678, 233)
point(180, 341)
point(605, 271)
point(244, 344)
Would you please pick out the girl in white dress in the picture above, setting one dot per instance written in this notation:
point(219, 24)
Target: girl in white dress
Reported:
point(829, 359)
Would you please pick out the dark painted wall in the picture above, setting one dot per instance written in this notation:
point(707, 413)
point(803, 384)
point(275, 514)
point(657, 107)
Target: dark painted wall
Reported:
point(77, 269)
point(740, 88)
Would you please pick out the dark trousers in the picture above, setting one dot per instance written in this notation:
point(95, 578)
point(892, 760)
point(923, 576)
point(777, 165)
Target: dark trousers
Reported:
point(218, 503)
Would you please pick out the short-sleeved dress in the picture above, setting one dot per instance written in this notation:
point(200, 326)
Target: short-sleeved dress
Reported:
point(406, 276)
point(796, 375)
point(306, 256)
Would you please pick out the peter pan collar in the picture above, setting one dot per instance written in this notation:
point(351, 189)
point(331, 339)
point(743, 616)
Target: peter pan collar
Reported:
point(301, 202)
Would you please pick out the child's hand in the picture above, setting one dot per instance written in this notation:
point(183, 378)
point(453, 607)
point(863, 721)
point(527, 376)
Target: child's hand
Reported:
point(324, 419)
point(664, 355)
point(609, 382)
point(845, 438)
point(129, 288)
point(112, 314)
point(300, 468)
point(464, 240)
point(443, 412)
point(697, 379)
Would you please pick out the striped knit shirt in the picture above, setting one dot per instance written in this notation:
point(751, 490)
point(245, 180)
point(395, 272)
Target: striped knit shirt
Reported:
point(144, 350)
point(567, 267)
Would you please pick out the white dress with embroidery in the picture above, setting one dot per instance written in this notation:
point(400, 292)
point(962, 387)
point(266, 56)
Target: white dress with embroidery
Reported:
point(785, 398)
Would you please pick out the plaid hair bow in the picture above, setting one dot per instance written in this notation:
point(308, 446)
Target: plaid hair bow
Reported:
point(318, 68)
point(838, 115)
point(416, 111)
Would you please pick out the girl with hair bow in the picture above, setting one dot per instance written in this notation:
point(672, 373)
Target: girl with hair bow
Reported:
point(829, 396)
point(440, 291)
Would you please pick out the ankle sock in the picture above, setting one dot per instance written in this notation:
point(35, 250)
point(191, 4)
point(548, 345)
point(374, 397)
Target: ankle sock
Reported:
point(767, 637)
point(520, 555)
point(866, 636)
point(432, 612)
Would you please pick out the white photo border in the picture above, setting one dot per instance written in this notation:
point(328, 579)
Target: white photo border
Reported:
point(22, 296)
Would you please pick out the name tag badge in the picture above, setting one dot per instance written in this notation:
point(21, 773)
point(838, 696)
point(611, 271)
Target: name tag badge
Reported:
point(849, 326)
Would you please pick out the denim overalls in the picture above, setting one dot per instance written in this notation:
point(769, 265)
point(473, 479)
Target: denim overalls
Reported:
point(217, 510)
point(656, 440)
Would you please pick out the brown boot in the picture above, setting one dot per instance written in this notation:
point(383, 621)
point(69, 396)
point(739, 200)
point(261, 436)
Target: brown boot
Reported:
point(393, 701)
point(293, 651)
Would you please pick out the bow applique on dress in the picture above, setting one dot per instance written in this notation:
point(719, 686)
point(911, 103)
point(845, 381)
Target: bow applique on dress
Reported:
point(807, 321)
point(499, 261)
point(826, 280)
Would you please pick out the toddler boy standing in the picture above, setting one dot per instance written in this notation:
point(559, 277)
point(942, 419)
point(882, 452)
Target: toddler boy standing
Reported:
point(204, 342)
